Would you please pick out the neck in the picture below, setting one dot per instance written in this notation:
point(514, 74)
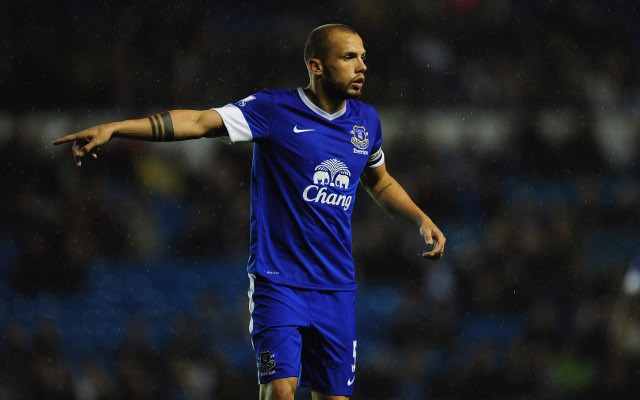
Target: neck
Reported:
point(319, 96)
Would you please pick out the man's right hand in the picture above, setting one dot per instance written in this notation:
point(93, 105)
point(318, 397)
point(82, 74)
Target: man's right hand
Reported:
point(167, 126)
point(86, 142)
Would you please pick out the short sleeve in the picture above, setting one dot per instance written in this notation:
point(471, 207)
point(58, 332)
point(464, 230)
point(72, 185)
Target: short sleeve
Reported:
point(376, 157)
point(249, 119)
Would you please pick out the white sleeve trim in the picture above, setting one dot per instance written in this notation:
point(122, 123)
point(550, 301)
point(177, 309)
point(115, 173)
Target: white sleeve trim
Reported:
point(235, 123)
point(379, 161)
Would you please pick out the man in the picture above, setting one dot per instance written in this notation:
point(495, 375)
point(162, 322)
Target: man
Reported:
point(311, 147)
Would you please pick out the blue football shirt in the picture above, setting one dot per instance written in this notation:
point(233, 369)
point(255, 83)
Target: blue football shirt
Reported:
point(306, 168)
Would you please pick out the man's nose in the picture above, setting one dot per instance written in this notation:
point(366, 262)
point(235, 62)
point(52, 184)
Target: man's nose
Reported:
point(362, 67)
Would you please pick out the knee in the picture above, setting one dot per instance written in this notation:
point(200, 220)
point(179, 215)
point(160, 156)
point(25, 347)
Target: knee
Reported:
point(279, 389)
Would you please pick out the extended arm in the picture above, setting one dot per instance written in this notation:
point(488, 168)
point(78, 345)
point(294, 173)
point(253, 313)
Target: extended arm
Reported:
point(167, 126)
point(386, 191)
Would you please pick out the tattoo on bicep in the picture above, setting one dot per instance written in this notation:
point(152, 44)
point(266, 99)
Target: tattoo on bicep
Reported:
point(382, 190)
point(162, 127)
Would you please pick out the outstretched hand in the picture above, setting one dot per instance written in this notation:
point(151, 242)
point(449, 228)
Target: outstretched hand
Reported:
point(434, 238)
point(87, 142)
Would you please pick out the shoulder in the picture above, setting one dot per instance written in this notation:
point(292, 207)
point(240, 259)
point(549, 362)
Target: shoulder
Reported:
point(266, 93)
point(277, 92)
point(263, 100)
point(275, 95)
point(359, 105)
point(363, 108)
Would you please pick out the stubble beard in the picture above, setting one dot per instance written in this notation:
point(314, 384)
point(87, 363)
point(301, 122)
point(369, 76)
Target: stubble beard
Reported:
point(339, 90)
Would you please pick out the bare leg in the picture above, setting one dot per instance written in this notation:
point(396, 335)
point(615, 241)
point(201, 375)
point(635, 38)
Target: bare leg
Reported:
point(279, 389)
point(321, 396)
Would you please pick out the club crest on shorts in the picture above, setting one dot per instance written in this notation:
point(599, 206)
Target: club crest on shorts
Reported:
point(266, 361)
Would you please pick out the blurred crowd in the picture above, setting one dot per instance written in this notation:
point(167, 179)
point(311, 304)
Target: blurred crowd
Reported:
point(539, 291)
point(500, 53)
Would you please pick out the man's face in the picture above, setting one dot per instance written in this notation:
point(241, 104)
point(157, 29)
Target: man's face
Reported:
point(344, 68)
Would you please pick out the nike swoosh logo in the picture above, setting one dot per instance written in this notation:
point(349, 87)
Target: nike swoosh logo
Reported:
point(350, 381)
point(296, 130)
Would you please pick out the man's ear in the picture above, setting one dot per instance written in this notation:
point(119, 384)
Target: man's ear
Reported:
point(315, 66)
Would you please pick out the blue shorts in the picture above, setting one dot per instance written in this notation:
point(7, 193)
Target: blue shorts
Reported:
point(304, 333)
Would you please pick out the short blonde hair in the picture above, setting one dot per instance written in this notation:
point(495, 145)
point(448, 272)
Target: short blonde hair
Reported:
point(316, 45)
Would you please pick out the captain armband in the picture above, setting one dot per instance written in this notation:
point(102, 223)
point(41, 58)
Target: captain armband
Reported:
point(376, 159)
point(161, 127)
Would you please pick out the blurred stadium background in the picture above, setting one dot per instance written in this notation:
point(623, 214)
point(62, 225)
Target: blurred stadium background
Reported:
point(514, 124)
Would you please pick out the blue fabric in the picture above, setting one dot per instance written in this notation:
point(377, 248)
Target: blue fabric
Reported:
point(306, 168)
point(305, 333)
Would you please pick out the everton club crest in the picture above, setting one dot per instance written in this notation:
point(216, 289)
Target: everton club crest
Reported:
point(266, 361)
point(360, 137)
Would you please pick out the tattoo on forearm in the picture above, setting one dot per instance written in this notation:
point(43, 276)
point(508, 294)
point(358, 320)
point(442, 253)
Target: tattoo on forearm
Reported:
point(382, 190)
point(168, 125)
point(162, 131)
point(153, 128)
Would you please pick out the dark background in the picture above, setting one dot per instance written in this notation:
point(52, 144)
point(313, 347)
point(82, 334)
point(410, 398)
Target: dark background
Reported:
point(514, 124)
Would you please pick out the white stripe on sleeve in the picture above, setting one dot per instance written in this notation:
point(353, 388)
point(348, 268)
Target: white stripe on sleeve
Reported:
point(235, 123)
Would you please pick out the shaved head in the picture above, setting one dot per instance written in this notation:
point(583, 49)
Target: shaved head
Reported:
point(318, 44)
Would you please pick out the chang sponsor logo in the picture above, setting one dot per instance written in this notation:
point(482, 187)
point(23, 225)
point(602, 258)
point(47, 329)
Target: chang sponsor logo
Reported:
point(329, 175)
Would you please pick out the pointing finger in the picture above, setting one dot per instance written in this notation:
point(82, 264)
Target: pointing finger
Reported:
point(65, 139)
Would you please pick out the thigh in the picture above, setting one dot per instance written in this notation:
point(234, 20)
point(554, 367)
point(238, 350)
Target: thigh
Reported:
point(277, 314)
point(329, 349)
